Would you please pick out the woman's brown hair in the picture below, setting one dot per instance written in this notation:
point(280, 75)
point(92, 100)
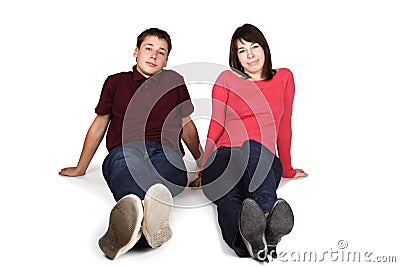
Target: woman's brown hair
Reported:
point(252, 34)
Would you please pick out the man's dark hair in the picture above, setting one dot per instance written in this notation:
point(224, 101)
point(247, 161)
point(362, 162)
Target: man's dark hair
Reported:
point(155, 32)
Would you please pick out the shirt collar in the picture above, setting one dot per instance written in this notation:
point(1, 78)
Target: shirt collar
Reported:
point(137, 76)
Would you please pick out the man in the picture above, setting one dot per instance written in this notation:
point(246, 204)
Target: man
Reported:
point(146, 112)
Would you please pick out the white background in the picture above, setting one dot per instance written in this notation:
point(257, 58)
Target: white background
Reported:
point(55, 56)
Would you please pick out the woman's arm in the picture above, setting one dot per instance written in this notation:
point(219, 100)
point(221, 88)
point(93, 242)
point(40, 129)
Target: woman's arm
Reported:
point(284, 138)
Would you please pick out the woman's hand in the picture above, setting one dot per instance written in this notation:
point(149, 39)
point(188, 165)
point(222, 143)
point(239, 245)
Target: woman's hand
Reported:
point(300, 173)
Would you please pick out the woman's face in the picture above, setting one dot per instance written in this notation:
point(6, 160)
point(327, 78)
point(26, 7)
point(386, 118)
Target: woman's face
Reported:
point(252, 58)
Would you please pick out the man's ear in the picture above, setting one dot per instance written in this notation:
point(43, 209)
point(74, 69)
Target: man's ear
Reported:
point(135, 53)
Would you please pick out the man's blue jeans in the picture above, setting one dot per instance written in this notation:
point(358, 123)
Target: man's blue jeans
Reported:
point(134, 167)
point(249, 171)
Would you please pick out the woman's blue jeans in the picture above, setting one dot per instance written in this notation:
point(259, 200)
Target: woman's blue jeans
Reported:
point(234, 174)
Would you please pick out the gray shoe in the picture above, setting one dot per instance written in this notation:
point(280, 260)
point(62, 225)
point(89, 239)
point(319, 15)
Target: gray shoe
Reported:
point(280, 222)
point(157, 211)
point(124, 227)
point(252, 225)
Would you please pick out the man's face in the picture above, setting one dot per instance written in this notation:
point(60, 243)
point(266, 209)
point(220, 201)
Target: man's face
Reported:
point(151, 56)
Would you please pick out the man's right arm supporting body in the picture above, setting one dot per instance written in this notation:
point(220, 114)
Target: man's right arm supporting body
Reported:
point(93, 139)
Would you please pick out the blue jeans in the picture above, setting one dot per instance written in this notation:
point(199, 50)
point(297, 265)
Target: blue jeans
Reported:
point(234, 174)
point(134, 167)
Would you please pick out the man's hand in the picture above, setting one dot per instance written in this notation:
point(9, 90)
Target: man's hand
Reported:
point(71, 171)
point(195, 183)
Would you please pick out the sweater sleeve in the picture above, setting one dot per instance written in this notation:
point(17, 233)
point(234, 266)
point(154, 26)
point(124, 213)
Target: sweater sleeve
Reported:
point(217, 122)
point(284, 138)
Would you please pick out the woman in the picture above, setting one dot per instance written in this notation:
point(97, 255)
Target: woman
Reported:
point(251, 116)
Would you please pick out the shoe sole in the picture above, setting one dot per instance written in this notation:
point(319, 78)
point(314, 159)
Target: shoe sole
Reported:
point(252, 226)
point(157, 210)
point(280, 222)
point(124, 227)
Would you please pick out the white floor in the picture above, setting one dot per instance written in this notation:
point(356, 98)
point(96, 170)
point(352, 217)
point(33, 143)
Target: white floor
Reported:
point(53, 220)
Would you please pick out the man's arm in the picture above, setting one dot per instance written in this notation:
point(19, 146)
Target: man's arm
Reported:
point(191, 138)
point(93, 139)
